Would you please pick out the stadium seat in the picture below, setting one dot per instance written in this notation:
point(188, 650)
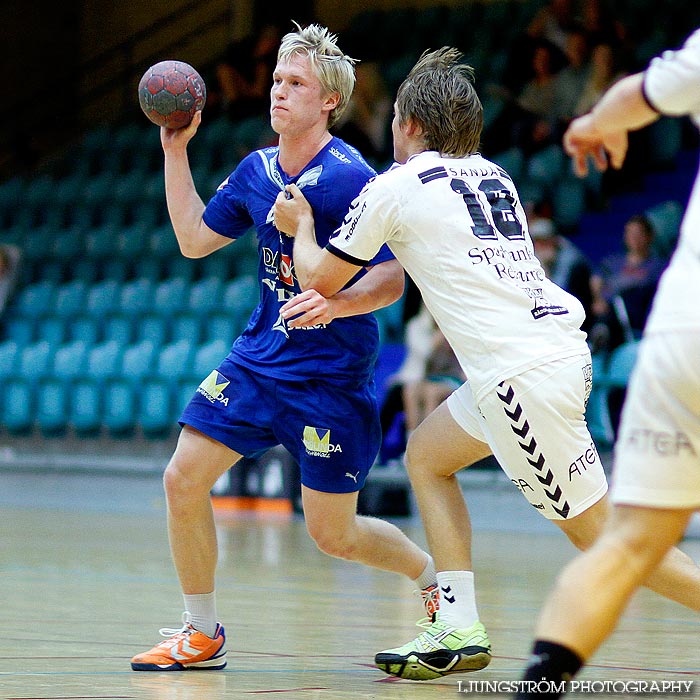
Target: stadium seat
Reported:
point(85, 407)
point(569, 203)
point(138, 361)
point(70, 299)
point(85, 269)
point(136, 296)
point(152, 327)
point(102, 297)
point(208, 357)
point(87, 328)
point(178, 266)
point(9, 358)
point(148, 268)
point(67, 245)
point(169, 295)
point(666, 218)
point(155, 408)
point(118, 327)
point(240, 295)
point(188, 327)
point(224, 326)
point(597, 411)
point(175, 360)
point(613, 377)
point(52, 406)
point(205, 295)
point(116, 269)
point(101, 241)
point(163, 242)
point(512, 161)
point(17, 406)
point(69, 360)
point(52, 329)
point(546, 166)
point(35, 300)
point(104, 361)
point(35, 361)
point(119, 407)
point(21, 330)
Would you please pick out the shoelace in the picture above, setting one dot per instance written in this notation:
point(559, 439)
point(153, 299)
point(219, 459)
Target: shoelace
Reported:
point(176, 633)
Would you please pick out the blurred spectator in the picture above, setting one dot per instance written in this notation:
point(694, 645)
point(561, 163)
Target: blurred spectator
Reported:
point(563, 263)
point(602, 73)
point(441, 376)
point(523, 120)
point(600, 26)
point(552, 22)
point(243, 74)
point(623, 287)
point(9, 268)
point(570, 82)
point(427, 375)
point(366, 123)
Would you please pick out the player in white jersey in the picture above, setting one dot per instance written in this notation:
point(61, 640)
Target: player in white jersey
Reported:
point(454, 221)
point(656, 476)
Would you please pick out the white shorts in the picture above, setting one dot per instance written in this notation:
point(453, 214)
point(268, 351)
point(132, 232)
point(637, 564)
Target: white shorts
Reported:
point(657, 455)
point(535, 426)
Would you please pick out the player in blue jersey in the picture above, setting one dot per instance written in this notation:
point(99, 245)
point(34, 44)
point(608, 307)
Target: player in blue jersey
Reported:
point(309, 389)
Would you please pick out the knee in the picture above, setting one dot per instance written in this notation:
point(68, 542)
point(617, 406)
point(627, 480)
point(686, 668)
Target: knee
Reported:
point(333, 542)
point(182, 487)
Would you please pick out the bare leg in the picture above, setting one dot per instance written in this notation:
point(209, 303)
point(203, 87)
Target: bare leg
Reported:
point(195, 466)
point(677, 577)
point(333, 523)
point(437, 450)
point(592, 591)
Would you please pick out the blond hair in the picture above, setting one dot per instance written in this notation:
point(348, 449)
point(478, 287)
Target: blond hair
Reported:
point(335, 70)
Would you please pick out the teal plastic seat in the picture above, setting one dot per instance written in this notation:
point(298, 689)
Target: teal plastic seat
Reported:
point(208, 357)
point(17, 397)
point(52, 406)
point(70, 299)
point(69, 360)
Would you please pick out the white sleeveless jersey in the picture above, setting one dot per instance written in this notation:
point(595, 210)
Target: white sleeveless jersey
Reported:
point(459, 230)
point(672, 87)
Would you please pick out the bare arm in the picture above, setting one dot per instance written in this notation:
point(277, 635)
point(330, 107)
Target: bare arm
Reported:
point(602, 133)
point(185, 206)
point(323, 275)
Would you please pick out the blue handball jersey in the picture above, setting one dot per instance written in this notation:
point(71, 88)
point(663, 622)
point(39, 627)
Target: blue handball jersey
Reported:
point(343, 351)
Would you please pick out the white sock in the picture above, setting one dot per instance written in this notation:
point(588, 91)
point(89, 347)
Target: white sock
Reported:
point(457, 598)
point(202, 610)
point(427, 577)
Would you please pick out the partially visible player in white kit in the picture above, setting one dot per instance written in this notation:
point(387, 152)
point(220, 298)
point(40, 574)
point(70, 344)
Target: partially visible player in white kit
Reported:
point(455, 222)
point(656, 476)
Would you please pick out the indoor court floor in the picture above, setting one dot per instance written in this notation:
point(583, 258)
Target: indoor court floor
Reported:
point(87, 582)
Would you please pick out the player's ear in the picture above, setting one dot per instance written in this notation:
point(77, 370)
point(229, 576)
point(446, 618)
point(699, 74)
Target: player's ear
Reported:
point(413, 128)
point(331, 101)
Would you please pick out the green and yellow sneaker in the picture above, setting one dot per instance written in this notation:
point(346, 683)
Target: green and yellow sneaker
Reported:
point(438, 651)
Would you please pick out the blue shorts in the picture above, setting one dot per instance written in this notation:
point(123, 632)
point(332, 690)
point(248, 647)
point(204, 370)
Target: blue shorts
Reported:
point(332, 431)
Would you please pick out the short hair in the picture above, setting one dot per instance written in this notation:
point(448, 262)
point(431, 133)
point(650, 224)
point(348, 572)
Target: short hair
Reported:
point(643, 221)
point(335, 70)
point(439, 95)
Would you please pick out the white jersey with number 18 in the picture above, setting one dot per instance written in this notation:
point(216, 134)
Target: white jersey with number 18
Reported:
point(459, 230)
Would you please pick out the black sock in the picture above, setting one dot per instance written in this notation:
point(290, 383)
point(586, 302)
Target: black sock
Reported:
point(550, 665)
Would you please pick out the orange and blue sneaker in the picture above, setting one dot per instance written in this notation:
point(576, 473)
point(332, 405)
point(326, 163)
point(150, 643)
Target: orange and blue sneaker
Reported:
point(431, 601)
point(185, 649)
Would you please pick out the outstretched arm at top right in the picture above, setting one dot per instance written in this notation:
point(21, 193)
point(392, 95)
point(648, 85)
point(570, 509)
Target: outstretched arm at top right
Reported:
point(185, 206)
point(602, 133)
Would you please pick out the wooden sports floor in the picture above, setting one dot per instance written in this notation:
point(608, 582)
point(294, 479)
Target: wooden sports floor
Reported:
point(87, 582)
